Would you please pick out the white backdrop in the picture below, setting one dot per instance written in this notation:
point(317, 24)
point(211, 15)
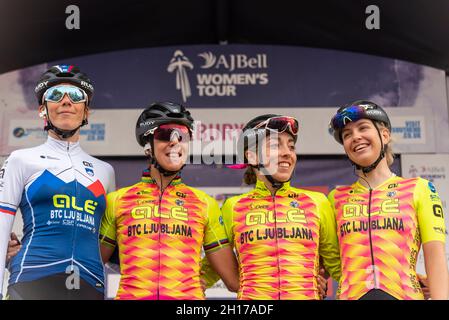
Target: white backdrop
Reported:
point(435, 168)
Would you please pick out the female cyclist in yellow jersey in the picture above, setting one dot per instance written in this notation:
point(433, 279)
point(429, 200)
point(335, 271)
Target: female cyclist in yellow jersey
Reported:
point(383, 219)
point(160, 224)
point(278, 231)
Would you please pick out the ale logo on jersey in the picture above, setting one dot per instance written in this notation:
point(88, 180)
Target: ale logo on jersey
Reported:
point(219, 75)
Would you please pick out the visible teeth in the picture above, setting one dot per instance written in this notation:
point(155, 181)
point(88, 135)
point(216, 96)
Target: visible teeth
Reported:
point(360, 147)
point(284, 164)
point(174, 154)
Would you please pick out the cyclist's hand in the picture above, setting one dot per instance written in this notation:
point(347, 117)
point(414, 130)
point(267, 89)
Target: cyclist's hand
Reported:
point(424, 285)
point(322, 284)
point(14, 246)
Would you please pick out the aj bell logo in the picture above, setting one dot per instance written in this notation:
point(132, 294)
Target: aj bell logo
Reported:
point(179, 64)
point(224, 81)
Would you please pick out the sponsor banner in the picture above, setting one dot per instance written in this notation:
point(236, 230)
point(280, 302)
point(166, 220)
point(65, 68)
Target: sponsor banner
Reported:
point(435, 168)
point(27, 131)
point(235, 76)
point(112, 132)
point(240, 81)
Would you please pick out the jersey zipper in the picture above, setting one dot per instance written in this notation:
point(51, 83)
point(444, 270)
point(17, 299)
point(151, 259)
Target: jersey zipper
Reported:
point(277, 245)
point(373, 264)
point(162, 190)
point(76, 193)
point(159, 242)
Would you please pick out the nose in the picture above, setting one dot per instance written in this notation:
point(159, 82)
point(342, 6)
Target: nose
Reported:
point(356, 136)
point(66, 100)
point(174, 140)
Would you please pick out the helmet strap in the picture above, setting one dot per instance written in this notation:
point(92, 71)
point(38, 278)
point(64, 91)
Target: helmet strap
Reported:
point(372, 166)
point(274, 183)
point(63, 134)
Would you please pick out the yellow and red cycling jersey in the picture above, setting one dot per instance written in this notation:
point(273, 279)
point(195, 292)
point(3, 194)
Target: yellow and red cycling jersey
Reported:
point(279, 239)
point(160, 237)
point(379, 250)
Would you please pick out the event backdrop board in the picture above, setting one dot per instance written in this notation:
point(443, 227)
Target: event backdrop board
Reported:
point(227, 85)
point(435, 168)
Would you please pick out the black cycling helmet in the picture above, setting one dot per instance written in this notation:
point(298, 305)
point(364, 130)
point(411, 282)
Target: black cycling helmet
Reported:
point(160, 113)
point(357, 110)
point(151, 118)
point(360, 109)
point(252, 133)
point(249, 136)
point(63, 73)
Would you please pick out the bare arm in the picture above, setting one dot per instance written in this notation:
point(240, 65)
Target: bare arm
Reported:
point(225, 264)
point(436, 269)
point(106, 252)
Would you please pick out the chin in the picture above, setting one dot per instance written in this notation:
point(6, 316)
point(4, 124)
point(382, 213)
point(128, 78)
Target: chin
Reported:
point(172, 167)
point(282, 177)
point(66, 126)
point(363, 161)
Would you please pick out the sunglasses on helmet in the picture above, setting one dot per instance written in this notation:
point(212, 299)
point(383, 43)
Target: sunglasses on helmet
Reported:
point(349, 114)
point(57, 93)
point(280, 124)
point(168, 132)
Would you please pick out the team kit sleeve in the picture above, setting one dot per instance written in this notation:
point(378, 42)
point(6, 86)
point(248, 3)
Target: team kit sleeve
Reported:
point(108, 228)
point(11, 189)
point(329, 247)
point(214, 234)
point(227, 212)
point(207, 272)
point(429, 210)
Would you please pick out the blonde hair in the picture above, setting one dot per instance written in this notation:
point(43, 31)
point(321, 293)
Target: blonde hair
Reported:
point(389, 154)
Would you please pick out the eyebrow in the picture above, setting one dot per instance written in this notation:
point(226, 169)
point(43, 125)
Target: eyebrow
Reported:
point(363, 121)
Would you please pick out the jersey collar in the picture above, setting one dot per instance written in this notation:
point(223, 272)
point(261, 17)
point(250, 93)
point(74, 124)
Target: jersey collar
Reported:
point(358, 185)
point(147, 178)
point(63, 146)
point(262, 189)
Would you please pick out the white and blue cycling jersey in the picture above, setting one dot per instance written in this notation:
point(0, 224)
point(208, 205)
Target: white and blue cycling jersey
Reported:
point(61, 193)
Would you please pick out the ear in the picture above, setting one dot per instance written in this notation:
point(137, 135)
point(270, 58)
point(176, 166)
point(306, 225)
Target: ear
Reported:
point(386, 135)
point(147, 149)
point(42, 111)
point(86, 112)
point(252, 157)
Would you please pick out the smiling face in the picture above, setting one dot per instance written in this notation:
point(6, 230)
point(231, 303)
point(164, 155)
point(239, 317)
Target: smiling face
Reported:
point(278, 156)
point(361, 141)
point(172, 154)
point(65, 114)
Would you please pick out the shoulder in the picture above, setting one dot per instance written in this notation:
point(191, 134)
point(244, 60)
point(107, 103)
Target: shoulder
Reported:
point(200, 194)
point(21, 158)
point(117, 194)
point(99, 163)
point(341, 191)
point(24, 154)
point(230, 202)
point(421, 184)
